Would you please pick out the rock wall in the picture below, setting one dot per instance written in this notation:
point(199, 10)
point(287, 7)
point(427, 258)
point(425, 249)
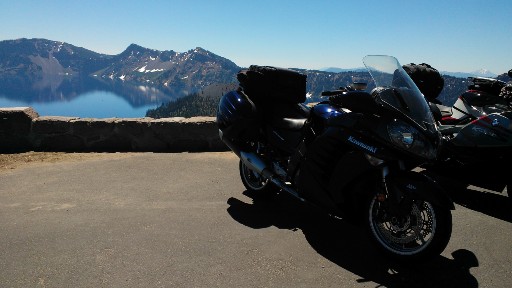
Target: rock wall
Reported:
point(22, 129)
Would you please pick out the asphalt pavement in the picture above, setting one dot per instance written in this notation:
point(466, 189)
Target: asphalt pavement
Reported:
point(185, 220)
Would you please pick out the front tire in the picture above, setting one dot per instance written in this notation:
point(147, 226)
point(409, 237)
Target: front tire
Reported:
point(417, 233)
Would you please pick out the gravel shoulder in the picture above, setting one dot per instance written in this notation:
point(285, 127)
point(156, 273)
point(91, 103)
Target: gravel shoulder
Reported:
point(11, 161)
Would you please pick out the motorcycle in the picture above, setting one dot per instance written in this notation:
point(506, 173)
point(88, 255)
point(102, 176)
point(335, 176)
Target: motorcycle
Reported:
point(481, 98)
point(477, 138)
point(350, 155)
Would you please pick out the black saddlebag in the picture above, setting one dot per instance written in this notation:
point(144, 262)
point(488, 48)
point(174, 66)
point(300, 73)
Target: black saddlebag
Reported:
point(237, 118)
point(489, 85)
point(264, 84)
point(427, 78)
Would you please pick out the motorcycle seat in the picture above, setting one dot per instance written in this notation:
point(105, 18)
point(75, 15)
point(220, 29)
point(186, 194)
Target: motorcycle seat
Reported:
point(445, 110)
point(289, 123)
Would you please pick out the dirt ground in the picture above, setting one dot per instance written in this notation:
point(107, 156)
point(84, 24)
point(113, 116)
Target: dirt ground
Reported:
point(12, 161)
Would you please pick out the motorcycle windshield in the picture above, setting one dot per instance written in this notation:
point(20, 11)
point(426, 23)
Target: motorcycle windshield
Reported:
point(403, 94)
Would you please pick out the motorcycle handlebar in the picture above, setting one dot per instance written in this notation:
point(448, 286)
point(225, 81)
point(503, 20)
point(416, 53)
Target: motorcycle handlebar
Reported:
point(356, 86)
point(333, 93)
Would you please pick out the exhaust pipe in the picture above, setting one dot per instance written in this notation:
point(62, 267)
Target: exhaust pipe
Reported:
point(256, 164)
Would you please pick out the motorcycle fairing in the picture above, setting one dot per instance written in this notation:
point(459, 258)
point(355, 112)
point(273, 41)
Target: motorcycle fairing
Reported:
point(460, 111)
point(337, 151)
point(353, 165)
point(321, 113)
point(471, 105)
point(492, 131)
point(480, 99)
point(372, 144)
point(317, 168)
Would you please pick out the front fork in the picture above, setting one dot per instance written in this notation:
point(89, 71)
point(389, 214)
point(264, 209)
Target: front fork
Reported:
point(383, 193)
point(392, 199)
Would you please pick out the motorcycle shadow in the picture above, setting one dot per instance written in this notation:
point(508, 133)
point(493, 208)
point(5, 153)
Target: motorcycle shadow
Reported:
point(492, 204)
point(346, 245)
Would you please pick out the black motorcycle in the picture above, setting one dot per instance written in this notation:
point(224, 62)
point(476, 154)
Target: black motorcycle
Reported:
point(481, 98)
point(351, 155)
point(477, 137)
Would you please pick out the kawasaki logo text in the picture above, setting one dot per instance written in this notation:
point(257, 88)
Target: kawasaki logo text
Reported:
point(362, 145)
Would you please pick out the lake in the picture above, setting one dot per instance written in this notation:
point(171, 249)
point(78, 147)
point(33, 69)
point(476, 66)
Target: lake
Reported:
point(84, 98)
point(95, 104)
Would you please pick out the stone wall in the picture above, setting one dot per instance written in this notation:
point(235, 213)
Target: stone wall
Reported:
point(22, 129)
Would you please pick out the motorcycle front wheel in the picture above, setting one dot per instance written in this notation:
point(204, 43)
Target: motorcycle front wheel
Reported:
point(417, 232)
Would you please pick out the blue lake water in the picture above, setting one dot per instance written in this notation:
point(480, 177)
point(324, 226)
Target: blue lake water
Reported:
point(83, 97)
point(95, 104)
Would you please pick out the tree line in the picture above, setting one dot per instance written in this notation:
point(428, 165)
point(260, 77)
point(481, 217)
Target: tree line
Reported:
point(188, 106)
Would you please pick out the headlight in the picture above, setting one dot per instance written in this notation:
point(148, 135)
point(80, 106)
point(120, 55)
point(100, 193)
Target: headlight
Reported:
point(406, 137)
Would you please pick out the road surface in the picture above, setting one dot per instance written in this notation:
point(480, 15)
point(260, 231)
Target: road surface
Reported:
point(185, 220)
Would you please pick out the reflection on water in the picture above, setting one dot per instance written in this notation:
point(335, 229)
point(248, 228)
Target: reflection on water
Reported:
point(94, 104)
point(85, 97)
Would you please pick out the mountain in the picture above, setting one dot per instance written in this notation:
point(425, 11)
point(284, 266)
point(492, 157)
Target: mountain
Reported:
point(50, 64)
point(504, 77)
point(477, 73)
point(184, 73)
point(38, 57)
point(339, 70)
point(40, 68)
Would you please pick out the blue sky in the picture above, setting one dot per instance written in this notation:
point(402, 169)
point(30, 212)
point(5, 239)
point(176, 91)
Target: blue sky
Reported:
point(456, 36)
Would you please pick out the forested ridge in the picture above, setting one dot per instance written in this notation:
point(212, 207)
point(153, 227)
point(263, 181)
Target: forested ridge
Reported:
point(189, 106)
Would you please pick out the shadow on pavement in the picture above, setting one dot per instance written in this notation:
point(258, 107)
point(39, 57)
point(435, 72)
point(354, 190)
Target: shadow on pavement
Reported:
point(495, 205)
point(346, 245)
